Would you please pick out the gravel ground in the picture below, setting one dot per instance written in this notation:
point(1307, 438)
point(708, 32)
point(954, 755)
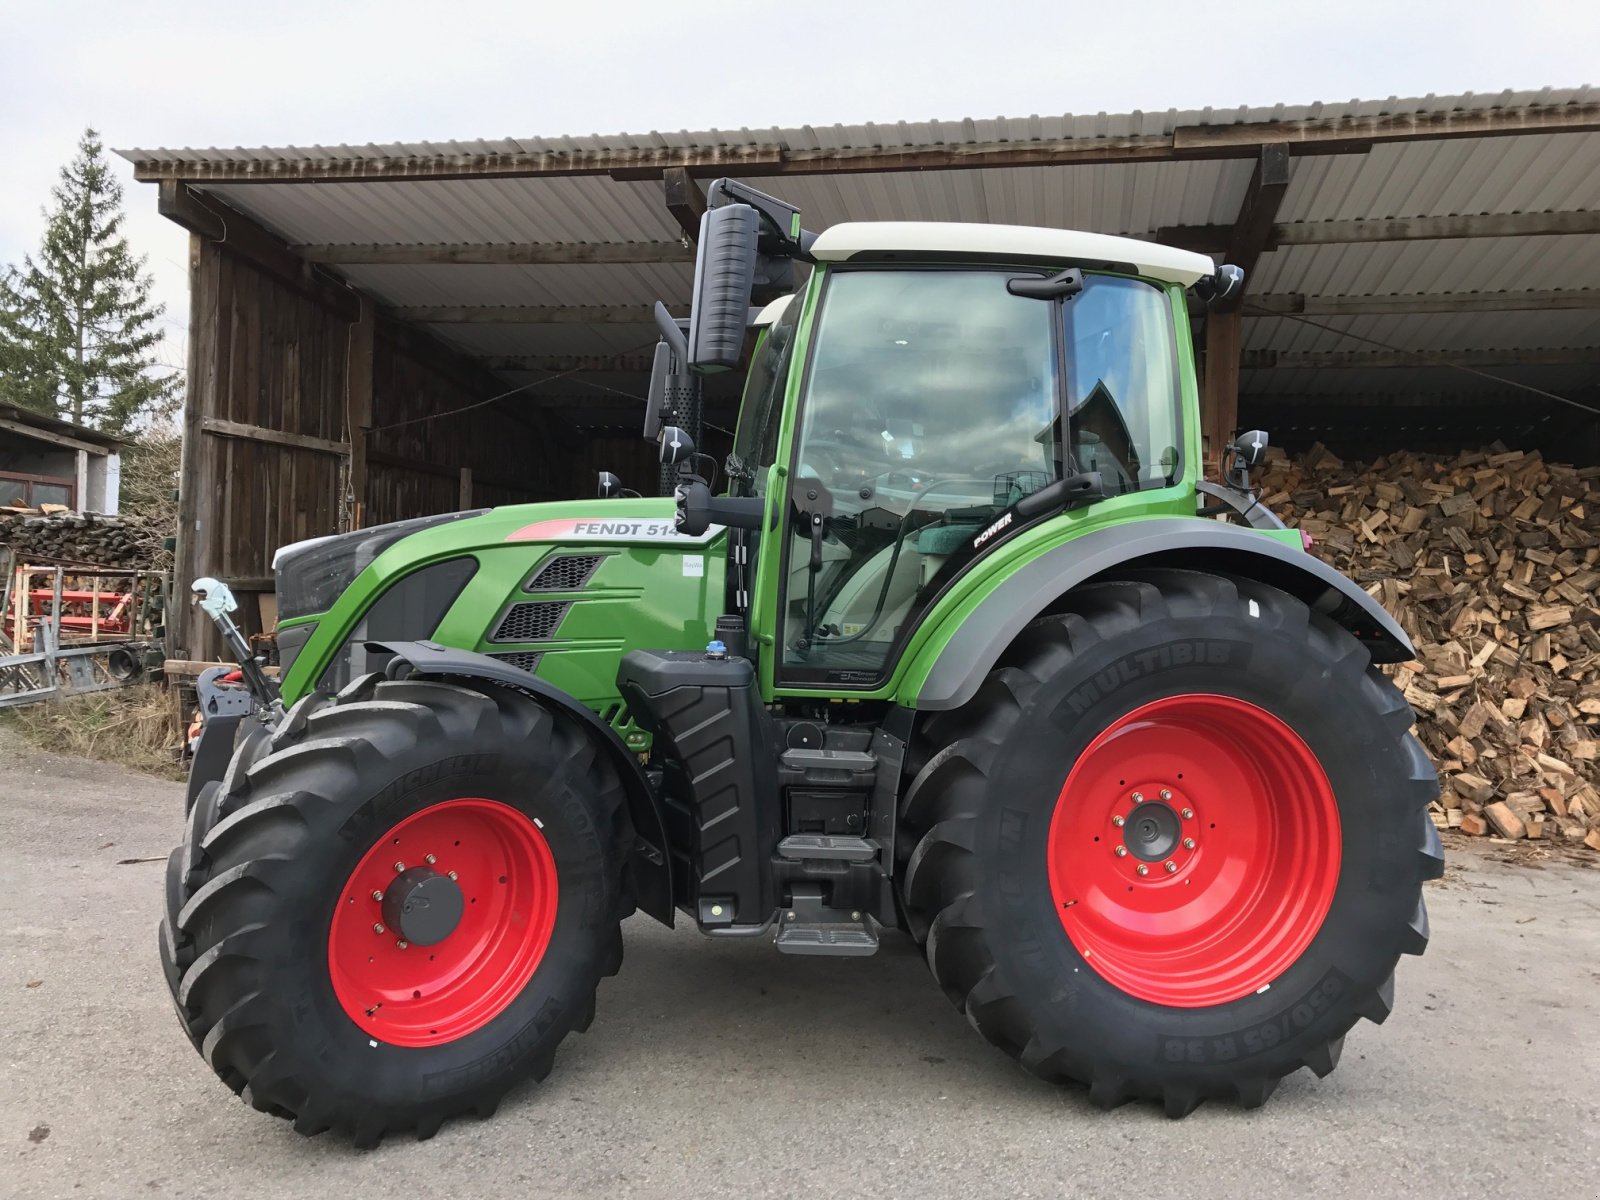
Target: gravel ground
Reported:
point(727, 1069)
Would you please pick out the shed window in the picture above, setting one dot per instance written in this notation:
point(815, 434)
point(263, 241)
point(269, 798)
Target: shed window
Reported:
point(18, 490)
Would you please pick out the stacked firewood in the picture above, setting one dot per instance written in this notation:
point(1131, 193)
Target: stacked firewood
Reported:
point(1490, 560)
point(79, 538)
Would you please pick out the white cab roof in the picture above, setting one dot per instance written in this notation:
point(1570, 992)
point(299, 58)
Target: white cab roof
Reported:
point(839, 243)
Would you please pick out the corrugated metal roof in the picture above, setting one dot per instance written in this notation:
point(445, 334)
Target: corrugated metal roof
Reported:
point(893, 134)
point(1519, 173)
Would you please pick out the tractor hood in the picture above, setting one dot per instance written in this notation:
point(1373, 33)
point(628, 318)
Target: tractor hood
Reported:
point(473, 581)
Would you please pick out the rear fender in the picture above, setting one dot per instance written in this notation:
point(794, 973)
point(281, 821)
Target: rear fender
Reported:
point(978, 642)
point(649, 862)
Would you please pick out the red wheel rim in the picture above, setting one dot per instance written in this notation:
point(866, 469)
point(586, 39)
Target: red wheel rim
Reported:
point(1234, 885)
point(425, 995)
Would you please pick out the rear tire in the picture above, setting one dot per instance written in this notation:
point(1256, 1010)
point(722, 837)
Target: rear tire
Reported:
point(1065, 956)
point(277, 995)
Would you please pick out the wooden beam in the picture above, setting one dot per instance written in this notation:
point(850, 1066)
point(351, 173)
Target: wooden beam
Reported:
point(1262, 360)
point(278, 437)
point(514, 254)
point(238, 234)
point(532, 314)
point(464, 489)
point(54, 438)
point(1288, 303)
point(1268, 183)
point(685, 201)
point(1219, 398)
point(1311, 135)
point(1213, 239)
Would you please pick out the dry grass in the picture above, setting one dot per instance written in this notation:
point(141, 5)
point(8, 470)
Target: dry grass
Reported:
point(137, 727)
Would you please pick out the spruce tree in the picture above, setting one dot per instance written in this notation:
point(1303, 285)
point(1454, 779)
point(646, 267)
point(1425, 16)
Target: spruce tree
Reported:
point(77, 325)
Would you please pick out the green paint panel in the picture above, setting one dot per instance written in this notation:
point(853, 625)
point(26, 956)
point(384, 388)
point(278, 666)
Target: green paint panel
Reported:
point(650, 589)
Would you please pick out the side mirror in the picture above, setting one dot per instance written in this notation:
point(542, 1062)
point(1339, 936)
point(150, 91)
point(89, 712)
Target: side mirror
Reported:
point(609, 486)
point(655, 397)
point(676, 445)
point(724, 277)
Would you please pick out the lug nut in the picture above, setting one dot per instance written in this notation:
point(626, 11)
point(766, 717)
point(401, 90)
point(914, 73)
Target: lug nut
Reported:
point(399, 866)
point(403, 944)
point(1171, 866)
point(1142, 869)
point(377, 895)
point(1188, 814)
point(430, 860)
point(1121, 852)
point(1188, 843)
point(1117, 821)
point(1166, 794)
point(377, 928)
point(1138, 797)
point(452, 874)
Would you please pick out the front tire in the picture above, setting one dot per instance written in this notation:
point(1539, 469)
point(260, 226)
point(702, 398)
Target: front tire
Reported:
point(1242, 751)
point(399, 911)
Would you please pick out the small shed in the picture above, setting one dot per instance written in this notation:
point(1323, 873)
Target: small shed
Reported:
point(44, 460)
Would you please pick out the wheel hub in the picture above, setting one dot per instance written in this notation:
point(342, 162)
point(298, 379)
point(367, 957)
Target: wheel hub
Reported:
point(1152, 831)
point(423, 906)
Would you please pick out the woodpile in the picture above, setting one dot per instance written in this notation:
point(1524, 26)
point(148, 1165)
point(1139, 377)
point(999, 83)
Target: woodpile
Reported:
point(1491, 562)
point(85, 539)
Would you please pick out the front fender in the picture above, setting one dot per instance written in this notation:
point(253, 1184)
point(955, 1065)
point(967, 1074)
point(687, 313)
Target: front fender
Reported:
point(649, 861)
point(973, 648)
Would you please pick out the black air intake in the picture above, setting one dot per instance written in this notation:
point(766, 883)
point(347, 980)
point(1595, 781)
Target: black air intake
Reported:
point(531, 621)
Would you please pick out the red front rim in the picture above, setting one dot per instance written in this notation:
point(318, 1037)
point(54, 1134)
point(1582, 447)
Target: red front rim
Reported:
point(1194, 850)
point(424, 995)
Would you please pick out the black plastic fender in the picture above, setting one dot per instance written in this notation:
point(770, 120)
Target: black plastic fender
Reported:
point(1160, 541)
point(650, 863)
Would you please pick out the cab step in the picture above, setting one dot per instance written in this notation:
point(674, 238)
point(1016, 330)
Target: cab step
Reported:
point(808, 926)
point(827, 846)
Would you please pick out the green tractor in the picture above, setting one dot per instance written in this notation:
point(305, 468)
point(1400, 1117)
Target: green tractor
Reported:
point(954, 643)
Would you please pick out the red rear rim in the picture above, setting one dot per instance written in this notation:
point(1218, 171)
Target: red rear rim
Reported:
point(1194, 850)
point(500, 873)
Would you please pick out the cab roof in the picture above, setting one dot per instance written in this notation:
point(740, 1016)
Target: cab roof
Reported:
point(869, 240)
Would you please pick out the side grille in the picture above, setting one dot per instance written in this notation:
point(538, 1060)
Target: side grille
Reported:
point(564, 573)
point(528, 660)
point(533, 621)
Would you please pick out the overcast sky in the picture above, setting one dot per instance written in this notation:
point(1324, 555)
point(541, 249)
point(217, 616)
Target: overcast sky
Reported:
point(222, 73)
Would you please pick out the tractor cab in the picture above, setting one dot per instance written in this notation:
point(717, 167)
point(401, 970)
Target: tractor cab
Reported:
point(932, 392)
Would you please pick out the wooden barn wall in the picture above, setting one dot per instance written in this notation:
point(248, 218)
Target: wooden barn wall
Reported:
point(264, 355)
point(272, 374)
point(516, 454)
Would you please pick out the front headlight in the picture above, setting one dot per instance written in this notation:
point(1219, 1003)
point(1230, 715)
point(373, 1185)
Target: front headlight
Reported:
point(311, 574)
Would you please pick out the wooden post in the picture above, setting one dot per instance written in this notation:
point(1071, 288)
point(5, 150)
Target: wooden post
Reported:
point(1219, 395)
point(182, 638)
point(358, 410)
point(465, 496)
point(685, 202)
